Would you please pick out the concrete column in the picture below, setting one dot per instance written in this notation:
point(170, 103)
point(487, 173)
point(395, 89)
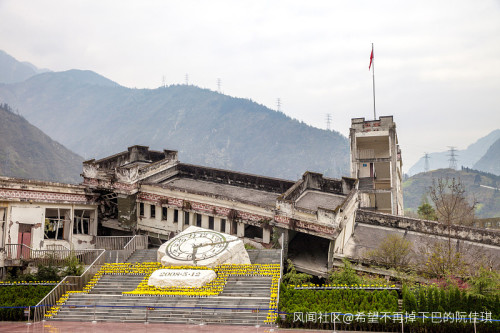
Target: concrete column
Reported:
point(204, 221)
point(284, 240)
point(331, 248)
point(192, 220)
point(180, 219)
point(217, 223)
point(266, 235)
point(241, 229)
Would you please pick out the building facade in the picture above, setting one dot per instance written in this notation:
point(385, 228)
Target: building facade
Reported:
point(152, 192)
point(144, 191)
point(376, 162)
point(45, 215)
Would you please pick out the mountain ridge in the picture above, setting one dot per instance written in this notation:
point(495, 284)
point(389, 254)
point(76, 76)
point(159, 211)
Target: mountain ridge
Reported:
point(467, 157)
point(96, 117)
point(490, 162)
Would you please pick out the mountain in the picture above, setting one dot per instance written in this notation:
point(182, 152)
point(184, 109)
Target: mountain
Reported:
point(480, 186)
point(26, 152)
point(12, 70)
point(96, 117)
point(490, 162)
point(466, 158)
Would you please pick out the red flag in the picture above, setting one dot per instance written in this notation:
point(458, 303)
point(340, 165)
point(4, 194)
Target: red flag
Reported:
point(371, 58)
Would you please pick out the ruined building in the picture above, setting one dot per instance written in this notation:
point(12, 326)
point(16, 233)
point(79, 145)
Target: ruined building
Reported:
point(376, 162)
point(44, 215)
point(140, 191)
point(151, 192)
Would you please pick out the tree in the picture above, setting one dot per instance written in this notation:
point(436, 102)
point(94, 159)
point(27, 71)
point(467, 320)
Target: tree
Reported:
point(440, 260)
point(293, 277)
point(427, 212)
point(393, 251)
point(450, 202)
point(347, 275)
point(451, 205)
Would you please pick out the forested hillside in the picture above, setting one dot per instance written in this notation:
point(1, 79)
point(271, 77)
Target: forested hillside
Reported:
point(26, 152)
point(95, 117)
point(480, 186)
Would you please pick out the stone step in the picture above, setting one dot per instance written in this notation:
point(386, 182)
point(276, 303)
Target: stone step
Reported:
point(159, 314)
point(143, 256)
point(236, 305)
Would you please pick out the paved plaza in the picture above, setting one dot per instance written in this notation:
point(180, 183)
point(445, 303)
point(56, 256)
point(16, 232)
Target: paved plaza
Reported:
point(87, 327)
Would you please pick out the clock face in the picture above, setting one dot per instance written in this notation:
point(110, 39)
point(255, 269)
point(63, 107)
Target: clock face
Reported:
point(181, 248)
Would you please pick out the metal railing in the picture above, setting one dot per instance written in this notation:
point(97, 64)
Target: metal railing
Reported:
point(138, 242)
point(69, 283)
point(45, 257)
point(57, 247)
point(73, 283)
point(112, 242)
point(281, 274)
point(366, 153)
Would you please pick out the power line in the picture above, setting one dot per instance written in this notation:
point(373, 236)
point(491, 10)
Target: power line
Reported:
point(452, 159)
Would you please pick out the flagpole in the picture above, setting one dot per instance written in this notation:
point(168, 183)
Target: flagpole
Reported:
point(373, 64)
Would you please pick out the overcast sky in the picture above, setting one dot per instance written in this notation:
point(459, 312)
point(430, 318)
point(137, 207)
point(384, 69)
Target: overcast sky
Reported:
point(437, 63)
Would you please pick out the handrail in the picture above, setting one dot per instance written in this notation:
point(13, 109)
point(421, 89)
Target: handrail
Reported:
point(281, 275)
point(57, 247)
point(137, 242)
point(44, 257)
point(112, 242)
point(69, 283)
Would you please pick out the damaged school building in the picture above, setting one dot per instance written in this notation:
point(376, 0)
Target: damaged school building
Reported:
point(141, 191)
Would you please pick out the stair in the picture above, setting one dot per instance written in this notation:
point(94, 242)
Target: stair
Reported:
point(264, 256)
point(243, 301)
point(248, 286)
point(116, 284)
point(143, 256)
point(365, 183)
point(121, 308)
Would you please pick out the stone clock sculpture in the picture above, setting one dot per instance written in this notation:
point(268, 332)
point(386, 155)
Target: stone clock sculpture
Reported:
point(198, 246)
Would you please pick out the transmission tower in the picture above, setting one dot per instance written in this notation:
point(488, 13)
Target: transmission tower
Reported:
point(452, 159)
point(218, 85)
point(278, 103)
point(426, 157)
point(186, 78)
point(163, 82)
point(328, 121)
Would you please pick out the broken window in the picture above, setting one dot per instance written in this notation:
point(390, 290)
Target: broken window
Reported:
point(211, 222)
point(153, 211)
point(176, 215)
point(141, 209)
point(223, 225)
point(198, 220)
point(56, 223)
point(186, 218)
point(164, 213)
point(82, 222)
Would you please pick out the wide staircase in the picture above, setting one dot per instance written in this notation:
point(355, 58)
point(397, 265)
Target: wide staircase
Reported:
point(245, 300)
point(143, 256)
